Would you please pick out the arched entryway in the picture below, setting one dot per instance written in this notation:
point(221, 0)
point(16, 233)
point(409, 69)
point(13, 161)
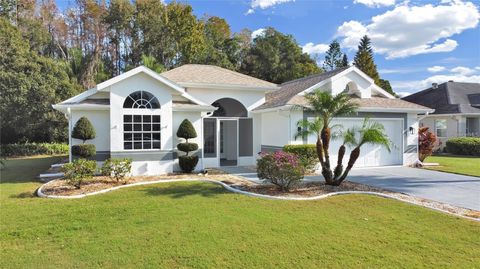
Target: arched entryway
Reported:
point(228, 133)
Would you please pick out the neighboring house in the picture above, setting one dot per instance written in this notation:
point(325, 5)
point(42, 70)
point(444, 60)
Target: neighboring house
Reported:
point(137, 114)
point(457, 109)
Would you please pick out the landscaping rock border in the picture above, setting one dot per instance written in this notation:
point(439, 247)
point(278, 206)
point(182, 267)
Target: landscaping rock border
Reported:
point(252, 194)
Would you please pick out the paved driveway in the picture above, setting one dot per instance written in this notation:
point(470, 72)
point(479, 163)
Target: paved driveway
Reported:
point(463, 191)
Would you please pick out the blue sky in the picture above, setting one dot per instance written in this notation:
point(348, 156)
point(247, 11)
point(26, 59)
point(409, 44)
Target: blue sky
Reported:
point(415, 42)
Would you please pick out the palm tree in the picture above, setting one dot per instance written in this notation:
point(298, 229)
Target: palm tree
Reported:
point(372, 133)
point(325, 107)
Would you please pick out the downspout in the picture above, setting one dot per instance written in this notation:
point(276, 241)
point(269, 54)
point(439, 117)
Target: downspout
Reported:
point(69, 117)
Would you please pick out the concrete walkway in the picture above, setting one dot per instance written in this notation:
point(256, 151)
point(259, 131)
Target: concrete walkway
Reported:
point(458, 190)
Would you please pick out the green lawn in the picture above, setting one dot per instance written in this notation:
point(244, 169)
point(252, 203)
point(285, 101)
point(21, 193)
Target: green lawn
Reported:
point(203, 226)
point(454, 164)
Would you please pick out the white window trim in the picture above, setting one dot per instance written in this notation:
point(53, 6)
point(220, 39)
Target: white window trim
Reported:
point(435, 126)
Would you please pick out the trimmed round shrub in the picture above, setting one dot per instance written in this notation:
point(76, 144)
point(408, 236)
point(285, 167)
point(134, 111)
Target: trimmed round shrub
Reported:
point(186, 130)
point(187, 147)
point(78, 171)
point(83, 130)
point(307, 154)
point(281, 169)
point(84, 150)
point(187, 163)
point(464, 146)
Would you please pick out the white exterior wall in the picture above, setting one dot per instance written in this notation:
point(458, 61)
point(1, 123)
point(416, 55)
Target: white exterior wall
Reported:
point(339, 84)
point(410, 154)
point(118, 93)
point(99, 120)
point(275, 128)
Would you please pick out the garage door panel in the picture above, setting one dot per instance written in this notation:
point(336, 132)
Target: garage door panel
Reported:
point(370, 155)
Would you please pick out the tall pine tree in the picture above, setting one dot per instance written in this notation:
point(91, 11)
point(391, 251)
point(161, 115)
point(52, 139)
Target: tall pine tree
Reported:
point(333, 57)
point(345, 61)
point(364, 61)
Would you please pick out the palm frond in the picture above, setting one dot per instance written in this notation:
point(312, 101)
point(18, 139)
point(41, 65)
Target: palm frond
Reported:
point(309, 127)
point(373, 132)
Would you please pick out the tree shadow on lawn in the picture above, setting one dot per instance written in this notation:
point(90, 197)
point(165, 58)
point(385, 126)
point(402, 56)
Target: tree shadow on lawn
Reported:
point(181, 190)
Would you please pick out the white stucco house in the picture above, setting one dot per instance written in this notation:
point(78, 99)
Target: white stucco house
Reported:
point(457, 109)
point(137, 114)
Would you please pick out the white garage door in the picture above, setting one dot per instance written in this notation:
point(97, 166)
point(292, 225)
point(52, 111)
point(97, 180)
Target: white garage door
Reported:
point(370, 155)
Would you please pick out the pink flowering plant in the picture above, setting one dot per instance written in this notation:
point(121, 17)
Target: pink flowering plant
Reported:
point(280, 168)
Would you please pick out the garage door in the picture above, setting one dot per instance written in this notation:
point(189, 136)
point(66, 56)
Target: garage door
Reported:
point(371, 155)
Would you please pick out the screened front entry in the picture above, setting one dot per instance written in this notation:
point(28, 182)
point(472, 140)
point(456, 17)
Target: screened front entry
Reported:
point(228, 134)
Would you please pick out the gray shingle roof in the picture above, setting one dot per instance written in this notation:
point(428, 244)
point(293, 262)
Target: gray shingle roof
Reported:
point(287, 94)
point(373, 102)
point(449, 98)
point(210, 74)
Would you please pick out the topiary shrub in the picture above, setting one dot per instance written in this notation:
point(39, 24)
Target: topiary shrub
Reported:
point(464, 146)
point(117, 169)
point(307, 155)
point(187, 131)
point(280, 168)
point(78, 171)
point(84, 150)
point(83, 130)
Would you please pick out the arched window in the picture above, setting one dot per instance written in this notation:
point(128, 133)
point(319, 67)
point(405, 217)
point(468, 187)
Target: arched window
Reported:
point(141, 128)
point(141, 99)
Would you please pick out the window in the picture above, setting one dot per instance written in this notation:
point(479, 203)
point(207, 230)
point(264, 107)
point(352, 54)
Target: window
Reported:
point(142, 100)
point(441, 128)
point(210, 137)
point(141, 130)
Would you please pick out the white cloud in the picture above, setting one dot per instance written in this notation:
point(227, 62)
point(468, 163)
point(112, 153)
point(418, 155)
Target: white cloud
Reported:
point(375, 3)
point(263, 4)
point(258, 32)
point(403, 94)
point(410, 30)
point(478, 67)
point(418, 85)
point(311, 48)
point(436, 69)
point(250, 11)
point(462, 70)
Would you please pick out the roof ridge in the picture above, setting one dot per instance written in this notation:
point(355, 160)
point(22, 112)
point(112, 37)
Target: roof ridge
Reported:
point(238, 73)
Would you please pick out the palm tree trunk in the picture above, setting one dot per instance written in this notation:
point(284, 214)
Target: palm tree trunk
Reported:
point(353, 158)
point(327, 170)
point(339, 169)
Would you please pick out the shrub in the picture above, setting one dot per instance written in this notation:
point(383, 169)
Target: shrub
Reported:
point(117, 168)
point(281, 169)
point(84, 150)
point(83, 130)
point(307, 154)
point(187, 147)
point(187, 131)
point(464, 146)
point(187, 163)
point(29, 149)
point(426, 142)
point(78, 171)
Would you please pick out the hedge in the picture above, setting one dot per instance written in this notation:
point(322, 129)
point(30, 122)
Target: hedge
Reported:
point(307, 154)
point(464, 146)
point(84, 150)
point(29, 149)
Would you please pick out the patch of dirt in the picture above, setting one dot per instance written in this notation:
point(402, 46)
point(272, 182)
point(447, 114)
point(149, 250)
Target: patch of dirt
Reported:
point(98, 183)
